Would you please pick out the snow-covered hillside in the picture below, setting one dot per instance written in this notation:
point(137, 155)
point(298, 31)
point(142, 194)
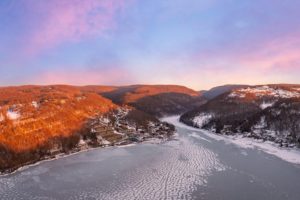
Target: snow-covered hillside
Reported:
point(269, 112)
point(266, 91)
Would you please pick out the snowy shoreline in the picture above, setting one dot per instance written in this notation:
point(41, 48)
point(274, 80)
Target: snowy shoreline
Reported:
point(291, 155)
point(64, 155)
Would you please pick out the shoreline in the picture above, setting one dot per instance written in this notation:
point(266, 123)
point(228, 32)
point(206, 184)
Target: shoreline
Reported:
point(153, 140)
point(288, 154)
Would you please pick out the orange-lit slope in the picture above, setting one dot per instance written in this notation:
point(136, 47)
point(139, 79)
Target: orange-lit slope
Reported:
point(30, 115)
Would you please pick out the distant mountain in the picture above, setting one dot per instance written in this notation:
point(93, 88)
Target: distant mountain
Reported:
point(157, 100)
point(133, 93)
point(216, 91)
point(269, 112)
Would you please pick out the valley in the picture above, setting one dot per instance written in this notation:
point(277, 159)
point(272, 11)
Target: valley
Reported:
point(149, 100)
point(40, 122)
point(149, 142)
point(190, 165)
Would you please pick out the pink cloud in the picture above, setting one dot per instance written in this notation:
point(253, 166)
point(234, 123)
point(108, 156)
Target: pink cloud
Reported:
point(102, 76)
point(280, 53)
point(70, 21)
point(263, 55)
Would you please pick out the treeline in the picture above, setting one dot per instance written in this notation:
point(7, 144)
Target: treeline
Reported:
point(167, 104)
point(280, 122)
point(11, 160)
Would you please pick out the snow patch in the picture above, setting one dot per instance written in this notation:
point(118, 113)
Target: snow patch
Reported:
point(1, 117)
point(234, 94)
point(35, 104)
point(13, 115)
point(286, 154)
point(202, 119)
point(265, 91)
point(102, 140)
point(106, 120)
point(289, 155)
point(105, 142)
point(118, 133)
point(126, 145)
point(82, 142)
point(261, 124)
point(265, 105)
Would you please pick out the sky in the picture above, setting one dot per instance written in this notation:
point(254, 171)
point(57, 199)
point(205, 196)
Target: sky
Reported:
point(196, 43)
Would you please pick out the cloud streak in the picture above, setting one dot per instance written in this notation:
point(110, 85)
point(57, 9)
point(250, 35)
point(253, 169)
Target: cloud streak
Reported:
point(69, 21)
point(92, 76)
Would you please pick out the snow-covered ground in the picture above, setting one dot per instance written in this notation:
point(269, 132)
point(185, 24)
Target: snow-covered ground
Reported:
point(202, 119)
point(35, 104)
point(265, 105)
point(1, 117)
point(13, 115)
point(265, 91)
point(291, 155)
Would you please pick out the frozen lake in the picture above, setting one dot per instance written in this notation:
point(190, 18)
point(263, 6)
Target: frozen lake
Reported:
point(192, 166)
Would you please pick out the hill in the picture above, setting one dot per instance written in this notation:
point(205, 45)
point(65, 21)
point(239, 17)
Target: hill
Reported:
point(158, 100)
point(38, 122)
point(216, 91)
point(268, 112)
